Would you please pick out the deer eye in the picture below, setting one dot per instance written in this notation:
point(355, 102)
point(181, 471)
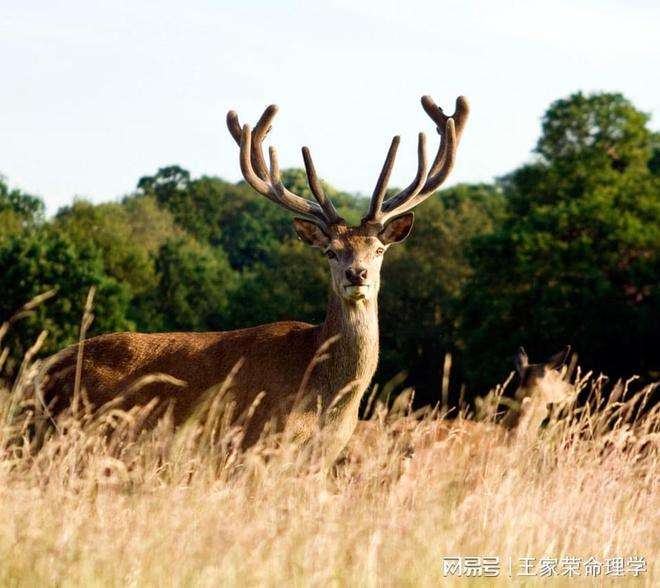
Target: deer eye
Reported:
point(380, 251)
point(330, 254)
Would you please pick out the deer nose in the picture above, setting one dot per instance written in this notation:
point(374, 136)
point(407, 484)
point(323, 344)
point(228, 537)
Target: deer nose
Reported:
point(356, 275)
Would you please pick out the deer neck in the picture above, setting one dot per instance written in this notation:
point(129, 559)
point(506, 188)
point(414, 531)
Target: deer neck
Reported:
point(353, 356)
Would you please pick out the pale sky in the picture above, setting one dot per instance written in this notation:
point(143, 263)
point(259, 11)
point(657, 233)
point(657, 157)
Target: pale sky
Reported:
point(96, 94)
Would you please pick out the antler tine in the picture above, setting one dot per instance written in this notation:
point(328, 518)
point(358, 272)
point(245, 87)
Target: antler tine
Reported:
point(234, 126)
point(413, 189)
point(317, 188)
point(460, 115)
point(432, 183)
point(440, 119)
point(450, 129)
point(275, 192)
point(374, 212)
point(258, 134)
point(267, 181)
point(450, 141)
point(299, 205)
point(246, 165)
point(261, 129)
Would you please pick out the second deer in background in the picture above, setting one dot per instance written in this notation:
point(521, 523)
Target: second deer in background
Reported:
point(541, 389)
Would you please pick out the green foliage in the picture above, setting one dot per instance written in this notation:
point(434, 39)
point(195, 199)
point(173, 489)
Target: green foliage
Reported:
point(576, 260)
point(219, 213)
point(109, 227)
point(33, 263)
point(563, 249)
point(18, 211)
point(294, 286)
point(596, 133)
point(423, 280)
point(128, 237)
point(246, 225)
point(168, 183)
point(194, 285)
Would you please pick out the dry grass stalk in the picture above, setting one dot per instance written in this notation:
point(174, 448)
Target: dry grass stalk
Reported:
point(189, 507)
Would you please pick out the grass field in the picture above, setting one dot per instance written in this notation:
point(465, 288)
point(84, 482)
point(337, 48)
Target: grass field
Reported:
point(187, 509)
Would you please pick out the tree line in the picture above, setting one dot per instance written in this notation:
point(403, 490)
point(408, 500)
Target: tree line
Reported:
point(564, 249)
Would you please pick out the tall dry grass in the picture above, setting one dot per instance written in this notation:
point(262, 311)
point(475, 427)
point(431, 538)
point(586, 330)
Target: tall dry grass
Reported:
point(187, 508)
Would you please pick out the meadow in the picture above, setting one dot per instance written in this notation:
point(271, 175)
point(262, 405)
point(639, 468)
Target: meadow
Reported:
point(188, 508)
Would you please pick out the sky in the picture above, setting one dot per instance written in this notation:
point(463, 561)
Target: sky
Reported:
point(94, 95)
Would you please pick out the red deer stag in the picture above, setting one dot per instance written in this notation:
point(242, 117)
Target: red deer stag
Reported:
point(278, 371)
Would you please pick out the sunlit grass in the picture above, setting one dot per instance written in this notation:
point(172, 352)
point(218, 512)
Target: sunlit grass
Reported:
point(188, 508)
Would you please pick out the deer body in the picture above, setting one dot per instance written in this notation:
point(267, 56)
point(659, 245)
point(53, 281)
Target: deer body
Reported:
point(274, 359)
point(290, 374)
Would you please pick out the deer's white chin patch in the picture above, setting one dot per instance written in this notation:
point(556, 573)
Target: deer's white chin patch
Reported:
point(357, 292)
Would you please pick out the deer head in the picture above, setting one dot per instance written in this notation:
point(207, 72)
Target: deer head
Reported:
point(541, 379)
point(355, 253)
point(541, 386)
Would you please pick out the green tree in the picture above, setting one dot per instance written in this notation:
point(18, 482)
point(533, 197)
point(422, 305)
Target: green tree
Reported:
point(219, 213)
point(423, 280)
point(166, 184)
point(246, 225)
point(576, 260)
point(293, 286)
point(35, 262)
point(18, 211)
point(128, 236)
point(194, 285)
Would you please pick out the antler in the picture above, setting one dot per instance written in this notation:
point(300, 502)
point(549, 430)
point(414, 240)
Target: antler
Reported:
point(267, 180)
point(450, 129)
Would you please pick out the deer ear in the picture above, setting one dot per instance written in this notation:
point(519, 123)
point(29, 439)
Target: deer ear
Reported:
point(397, 229)
point(521, 360)
point(558, 360)
point(310, 233)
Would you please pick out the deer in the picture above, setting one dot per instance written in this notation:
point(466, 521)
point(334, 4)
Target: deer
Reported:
point(541, 390)
point(290, 373)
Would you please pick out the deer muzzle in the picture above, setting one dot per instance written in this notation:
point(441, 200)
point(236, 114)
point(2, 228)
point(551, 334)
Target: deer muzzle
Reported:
point(357, 291)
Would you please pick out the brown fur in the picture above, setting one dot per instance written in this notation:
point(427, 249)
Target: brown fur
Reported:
point(275, 361)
